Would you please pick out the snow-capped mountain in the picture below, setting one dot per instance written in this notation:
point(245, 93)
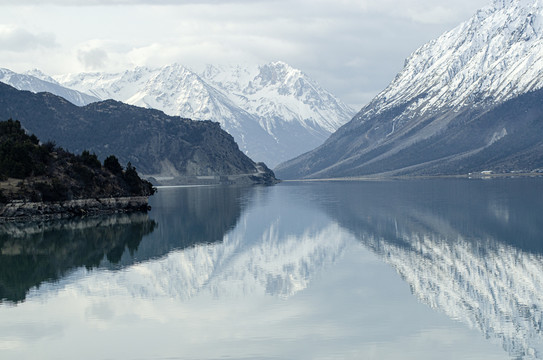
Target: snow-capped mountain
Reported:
point(230, 269)
point(277, 92)
point(445, 86)
point(493, 57)
point(274, 112)
point(36, 81)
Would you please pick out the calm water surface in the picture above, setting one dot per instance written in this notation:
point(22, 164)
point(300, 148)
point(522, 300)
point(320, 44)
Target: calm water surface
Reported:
point(448, 269)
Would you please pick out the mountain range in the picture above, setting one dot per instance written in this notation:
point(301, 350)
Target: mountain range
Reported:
point(464, 102)
point(273, 111)
point(36, 81)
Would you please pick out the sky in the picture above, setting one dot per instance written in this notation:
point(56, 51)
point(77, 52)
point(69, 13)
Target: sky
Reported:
point(353, 48)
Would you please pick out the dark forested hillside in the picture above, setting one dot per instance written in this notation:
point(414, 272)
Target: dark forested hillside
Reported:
point(32, 171)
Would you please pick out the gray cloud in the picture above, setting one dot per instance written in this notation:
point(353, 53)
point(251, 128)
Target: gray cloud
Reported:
point(93, 59)
point(352, 47)
point(19, 40)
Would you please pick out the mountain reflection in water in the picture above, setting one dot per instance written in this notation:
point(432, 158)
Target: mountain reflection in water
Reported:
point(35, 252)
point(31, 253)
point(262, 270)
point(187, 216)
point(253, 257)
point(472, 249)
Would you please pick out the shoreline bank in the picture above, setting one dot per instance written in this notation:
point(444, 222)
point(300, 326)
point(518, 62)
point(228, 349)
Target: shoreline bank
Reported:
point(19, 210)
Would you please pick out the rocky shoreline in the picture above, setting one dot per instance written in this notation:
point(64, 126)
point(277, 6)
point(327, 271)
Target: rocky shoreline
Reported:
point(19, 210)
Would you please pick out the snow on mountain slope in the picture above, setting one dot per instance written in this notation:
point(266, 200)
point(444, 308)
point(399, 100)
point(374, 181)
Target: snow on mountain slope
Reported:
point(175, 87)
point(492, 58)
point(278, 91)
point(36, 81)
point(274, 112)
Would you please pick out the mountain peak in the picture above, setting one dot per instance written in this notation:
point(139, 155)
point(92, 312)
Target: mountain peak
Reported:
point(40, 75)
point(282, 67)
point(494, 56)
point(174, 68)
point(278, 72)
point(502, 4)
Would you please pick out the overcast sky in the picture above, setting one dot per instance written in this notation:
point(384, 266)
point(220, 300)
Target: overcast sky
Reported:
point(353, 48)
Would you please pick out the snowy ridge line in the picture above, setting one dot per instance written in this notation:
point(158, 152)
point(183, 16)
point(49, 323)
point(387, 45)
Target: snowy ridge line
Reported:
point(491, 58)
point(420, 124)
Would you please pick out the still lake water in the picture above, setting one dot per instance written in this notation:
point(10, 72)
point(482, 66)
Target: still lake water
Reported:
point(421, 269)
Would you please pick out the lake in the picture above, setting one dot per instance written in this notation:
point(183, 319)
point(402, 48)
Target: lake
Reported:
point(414, 269)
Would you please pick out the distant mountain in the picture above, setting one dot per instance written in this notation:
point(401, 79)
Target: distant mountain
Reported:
point(274, 112)
point(36, 81)
point(444, 113)
point(156, 144)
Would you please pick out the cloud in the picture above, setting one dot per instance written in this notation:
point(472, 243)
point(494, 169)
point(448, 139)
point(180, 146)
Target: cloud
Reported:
point(418, 11)
point(352, 47)
point(19, 40)
point(93, 59)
